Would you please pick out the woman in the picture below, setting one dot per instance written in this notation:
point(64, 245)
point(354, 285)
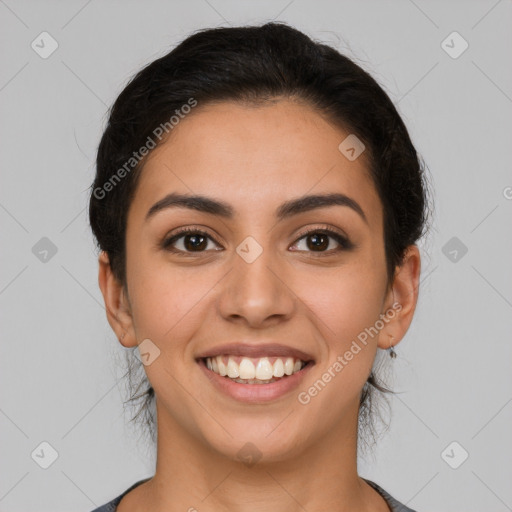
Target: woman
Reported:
point(257, 205)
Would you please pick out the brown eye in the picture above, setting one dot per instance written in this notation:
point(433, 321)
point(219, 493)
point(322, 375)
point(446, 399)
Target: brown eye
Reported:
point(188, 241)
point(195, 242)
point(320, 241)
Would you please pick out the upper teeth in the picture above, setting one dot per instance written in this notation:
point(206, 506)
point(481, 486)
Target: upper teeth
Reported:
point(259, 368)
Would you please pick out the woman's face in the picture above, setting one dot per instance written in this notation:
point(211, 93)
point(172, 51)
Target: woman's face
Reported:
point(256, 279)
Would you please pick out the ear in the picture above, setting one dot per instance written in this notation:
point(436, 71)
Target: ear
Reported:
point(117, 304)
point(401, 299)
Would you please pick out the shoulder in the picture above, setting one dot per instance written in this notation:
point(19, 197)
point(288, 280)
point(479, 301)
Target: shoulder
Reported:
point(111, 506)
point(394, 504)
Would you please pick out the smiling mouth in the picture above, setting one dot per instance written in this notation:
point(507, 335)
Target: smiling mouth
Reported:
point(249, 370)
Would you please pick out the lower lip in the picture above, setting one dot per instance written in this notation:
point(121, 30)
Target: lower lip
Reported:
point(256, 393)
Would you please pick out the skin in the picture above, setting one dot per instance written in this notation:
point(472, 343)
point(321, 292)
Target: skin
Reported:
point(256, 158)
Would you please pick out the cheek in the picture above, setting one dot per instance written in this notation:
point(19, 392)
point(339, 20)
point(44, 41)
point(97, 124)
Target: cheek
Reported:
point(334, 391)
point(166, 300)
point(345, 306)
point(348, 300)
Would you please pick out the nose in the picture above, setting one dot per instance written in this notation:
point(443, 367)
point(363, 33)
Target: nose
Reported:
point(257, 293)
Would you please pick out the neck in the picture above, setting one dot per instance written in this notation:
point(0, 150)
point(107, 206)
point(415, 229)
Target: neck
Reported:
point(192, 476)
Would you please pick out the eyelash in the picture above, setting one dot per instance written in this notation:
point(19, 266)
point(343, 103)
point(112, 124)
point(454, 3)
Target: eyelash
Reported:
point(345, 243)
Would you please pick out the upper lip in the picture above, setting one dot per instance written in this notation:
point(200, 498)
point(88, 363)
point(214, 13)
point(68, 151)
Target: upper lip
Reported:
point(253, 350)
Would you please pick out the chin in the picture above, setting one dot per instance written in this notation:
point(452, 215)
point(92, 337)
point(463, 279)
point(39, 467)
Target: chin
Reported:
point(256, 442)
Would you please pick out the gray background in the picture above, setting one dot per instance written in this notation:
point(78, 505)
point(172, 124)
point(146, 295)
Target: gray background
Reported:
point(58, 354)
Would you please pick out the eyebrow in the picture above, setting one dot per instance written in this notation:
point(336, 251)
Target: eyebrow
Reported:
point(220, 208)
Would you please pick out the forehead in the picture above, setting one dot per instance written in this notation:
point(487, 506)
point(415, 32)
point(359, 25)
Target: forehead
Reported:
point(255, 158)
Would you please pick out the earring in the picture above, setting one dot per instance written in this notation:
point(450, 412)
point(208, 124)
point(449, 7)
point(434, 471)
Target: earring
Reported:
point(122, 337)
point(391, 350)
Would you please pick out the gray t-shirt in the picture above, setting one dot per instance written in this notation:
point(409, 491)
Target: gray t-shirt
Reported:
point(393, 504)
